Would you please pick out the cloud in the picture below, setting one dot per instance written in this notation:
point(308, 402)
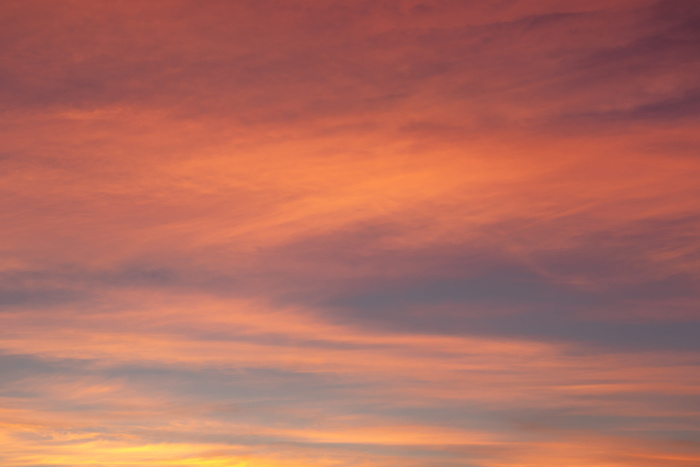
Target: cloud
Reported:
point(359, 233)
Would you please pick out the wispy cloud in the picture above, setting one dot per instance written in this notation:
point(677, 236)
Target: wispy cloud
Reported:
point(304, 233)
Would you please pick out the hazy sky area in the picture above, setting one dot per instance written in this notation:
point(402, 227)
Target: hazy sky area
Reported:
point(350, 233)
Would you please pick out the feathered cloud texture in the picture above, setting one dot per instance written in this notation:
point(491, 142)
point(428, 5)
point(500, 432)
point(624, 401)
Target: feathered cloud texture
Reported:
point(349, 233)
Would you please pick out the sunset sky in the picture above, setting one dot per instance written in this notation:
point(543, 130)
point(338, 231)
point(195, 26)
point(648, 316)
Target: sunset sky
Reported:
point(350, 233)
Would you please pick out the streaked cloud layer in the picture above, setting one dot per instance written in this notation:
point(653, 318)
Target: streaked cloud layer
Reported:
point(351, 233)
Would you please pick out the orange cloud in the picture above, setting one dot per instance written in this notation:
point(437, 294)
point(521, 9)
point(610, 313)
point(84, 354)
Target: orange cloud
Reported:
point(355, 233)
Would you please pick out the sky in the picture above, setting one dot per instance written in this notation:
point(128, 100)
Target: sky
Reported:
point(349, 233)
